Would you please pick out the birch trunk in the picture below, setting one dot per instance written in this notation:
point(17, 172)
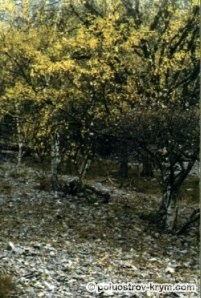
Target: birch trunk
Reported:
point(19, 136)
point(84, 167)
point(172, 184)
point(55, 160)
point(169, 207)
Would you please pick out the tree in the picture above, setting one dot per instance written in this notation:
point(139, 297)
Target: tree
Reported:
point(168, 88)
point(99, 69)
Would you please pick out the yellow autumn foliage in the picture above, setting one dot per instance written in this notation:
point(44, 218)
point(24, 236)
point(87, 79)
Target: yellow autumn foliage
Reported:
point(85, 65)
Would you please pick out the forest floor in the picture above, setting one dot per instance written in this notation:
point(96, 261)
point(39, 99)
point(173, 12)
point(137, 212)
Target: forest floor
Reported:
point(53, 247)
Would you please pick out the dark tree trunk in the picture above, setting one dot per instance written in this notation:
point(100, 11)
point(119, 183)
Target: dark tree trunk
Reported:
point(195, 216)
point(69, 166)
point(123, 171)
point(147, 170)
point(123, 161)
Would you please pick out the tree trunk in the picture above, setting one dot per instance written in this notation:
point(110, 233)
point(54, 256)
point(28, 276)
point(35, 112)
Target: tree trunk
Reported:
point(195, 216)
point(20, 144)
point(19, 136)
point(168, 210)
point(147, 170)
point(69, 166)
point(55, 160)
point(123, 161)
point(84, 166)
point(172, 213)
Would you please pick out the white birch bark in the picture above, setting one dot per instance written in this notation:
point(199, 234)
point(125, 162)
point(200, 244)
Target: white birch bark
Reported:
point(172, 212)
point(84, 167)
point(19, 136)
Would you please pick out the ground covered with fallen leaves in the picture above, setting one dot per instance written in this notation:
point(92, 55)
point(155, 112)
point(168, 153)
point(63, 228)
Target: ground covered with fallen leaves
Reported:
point(53, 247)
